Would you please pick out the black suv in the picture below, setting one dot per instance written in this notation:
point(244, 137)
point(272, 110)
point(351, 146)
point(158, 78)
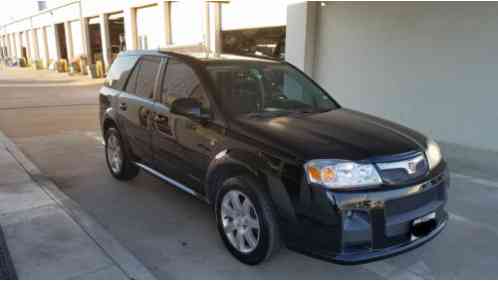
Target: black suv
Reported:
point(274, 154)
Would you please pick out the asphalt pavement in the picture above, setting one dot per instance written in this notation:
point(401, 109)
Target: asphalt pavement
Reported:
point(55, 123)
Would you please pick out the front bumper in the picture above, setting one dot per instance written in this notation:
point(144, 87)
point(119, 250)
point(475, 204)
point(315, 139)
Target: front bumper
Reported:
point(357, 227)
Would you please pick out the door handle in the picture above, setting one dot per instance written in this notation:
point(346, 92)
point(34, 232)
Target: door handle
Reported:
point(160, 118)
point(204, 147)
point(123, 106)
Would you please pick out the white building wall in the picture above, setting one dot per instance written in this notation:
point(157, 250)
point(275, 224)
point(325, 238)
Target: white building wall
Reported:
point(187, 23)
point(147, 27)
point(41, 47)
point(187, 29)
point(52, 41)
point(430, 66)
point(77, 38)
point(242, 14)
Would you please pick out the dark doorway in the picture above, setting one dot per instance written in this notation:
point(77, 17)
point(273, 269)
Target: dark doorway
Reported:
point(61, 39)
point(95, 40)
point(266, 41)
point(117, 34)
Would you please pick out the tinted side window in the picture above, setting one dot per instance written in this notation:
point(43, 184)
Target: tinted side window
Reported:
point(146, 77)
point(132, 81)
point(119, 72)
point(182, 82)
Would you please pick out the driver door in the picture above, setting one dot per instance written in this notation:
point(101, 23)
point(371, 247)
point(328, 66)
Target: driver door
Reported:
point(181, 145)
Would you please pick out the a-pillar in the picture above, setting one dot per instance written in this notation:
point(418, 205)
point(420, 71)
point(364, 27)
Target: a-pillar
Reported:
point(130, 21)
point(165, 20)
point(301, 35)
point(106, 40)
point(69, 41)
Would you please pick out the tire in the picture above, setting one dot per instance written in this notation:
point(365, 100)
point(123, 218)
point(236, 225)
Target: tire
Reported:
point(267, 237)
point(125, 170)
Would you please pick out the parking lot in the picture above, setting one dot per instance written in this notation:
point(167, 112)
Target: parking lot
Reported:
point(54, 120)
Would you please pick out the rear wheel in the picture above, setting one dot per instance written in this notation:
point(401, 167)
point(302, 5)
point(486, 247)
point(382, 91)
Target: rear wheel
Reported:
point(117, 158)
point(246, 220)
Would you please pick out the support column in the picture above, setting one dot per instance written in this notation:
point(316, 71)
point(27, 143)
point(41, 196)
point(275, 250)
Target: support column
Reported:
point(28, 47)
point(69, 41)
point(12, 40)
point(206, 26)
point(85, 40)
point(45, 46)
point(19, 45)
point(165, 31)
point(10, 45)
point(85, 33)
point(130, 19)
point(2, 46)
point(215, 27)
point(300, 35)
point(57, 43)
point(7, 45)
point(106, 40)
point(35, 46)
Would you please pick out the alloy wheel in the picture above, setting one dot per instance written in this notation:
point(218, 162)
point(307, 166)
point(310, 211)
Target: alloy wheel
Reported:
point(240, 221)
point(114, 154)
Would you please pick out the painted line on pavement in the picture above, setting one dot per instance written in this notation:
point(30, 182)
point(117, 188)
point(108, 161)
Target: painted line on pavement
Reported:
point(474, 223)
point(476, 180)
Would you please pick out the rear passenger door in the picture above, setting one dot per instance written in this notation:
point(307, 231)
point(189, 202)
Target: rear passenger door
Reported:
point(165, 147)
point(136, 105)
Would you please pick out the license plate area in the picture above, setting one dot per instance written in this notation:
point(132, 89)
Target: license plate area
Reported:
point(422, 226)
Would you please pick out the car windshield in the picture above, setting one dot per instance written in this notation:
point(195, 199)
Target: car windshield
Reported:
point(271, 89)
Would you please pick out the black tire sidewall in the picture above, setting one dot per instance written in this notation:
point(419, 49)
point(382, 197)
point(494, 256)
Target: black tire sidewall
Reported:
point(264, 248)
point(109, 132)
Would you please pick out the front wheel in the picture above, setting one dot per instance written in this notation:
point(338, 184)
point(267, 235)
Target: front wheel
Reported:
point(246, 220)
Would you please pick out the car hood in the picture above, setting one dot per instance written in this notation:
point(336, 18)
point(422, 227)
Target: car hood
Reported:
point(336, 134)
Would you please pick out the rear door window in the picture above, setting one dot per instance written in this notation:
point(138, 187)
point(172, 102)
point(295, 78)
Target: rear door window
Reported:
point(119, 72)
point(143, 79)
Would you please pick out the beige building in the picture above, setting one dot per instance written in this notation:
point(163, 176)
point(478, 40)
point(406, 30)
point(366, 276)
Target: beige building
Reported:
point(98, 29)
point(430, 66)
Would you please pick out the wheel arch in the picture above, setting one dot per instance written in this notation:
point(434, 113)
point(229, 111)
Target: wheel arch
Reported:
point(109, 119)
point(235, 162)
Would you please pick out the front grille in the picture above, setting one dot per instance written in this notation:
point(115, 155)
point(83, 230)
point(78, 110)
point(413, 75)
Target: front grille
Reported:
point(398, 170)
point(407, 204)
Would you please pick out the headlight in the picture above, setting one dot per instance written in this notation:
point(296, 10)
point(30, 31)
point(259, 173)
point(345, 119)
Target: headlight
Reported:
point(341, 174)
point(433, 153)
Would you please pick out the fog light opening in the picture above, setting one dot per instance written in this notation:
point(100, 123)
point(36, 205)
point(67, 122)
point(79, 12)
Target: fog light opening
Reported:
point(357, 231)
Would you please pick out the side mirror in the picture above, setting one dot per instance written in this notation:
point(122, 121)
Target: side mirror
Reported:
point(188, 107)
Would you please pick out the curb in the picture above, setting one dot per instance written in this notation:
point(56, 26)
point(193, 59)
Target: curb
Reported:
point(7, 269)
point(121, 256)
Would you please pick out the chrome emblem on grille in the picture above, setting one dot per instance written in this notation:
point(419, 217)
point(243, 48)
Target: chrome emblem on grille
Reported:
point(410, 166)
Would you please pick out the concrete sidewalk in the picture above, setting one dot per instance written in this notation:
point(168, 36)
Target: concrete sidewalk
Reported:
point(49, 236)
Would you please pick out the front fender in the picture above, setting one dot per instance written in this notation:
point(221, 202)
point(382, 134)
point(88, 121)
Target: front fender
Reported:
point(262, 168)
point(109, 114)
